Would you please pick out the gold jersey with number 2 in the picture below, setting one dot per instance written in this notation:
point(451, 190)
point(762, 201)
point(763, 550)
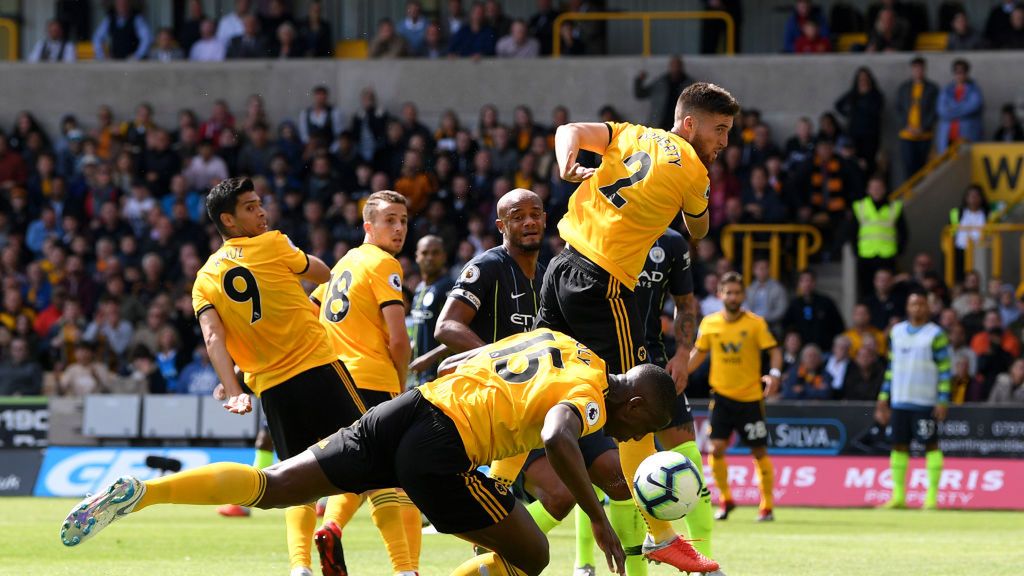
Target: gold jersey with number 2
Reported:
point(498, 398)
point(647, 176)
point(271, 330)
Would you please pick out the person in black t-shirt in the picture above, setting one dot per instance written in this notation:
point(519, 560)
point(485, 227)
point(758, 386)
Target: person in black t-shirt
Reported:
point(430, 296)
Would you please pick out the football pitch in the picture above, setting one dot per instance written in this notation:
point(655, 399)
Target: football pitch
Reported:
point(192, 540)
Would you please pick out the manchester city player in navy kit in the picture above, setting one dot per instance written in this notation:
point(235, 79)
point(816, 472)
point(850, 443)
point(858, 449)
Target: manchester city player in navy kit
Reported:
point(427, 302)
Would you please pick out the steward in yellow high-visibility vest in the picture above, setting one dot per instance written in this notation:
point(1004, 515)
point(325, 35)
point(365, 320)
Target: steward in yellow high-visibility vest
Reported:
point(881, 233)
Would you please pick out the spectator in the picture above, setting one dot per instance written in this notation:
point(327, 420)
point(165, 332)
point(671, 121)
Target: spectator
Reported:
point(810, 40)
point(916, 105)
point(570, 39)
point(663, 92)
point(959, 348)
point(415, 183)
point(188, 34)
point(541, 25)
point(1013, 37)
point(712, 32)
point(55, 47)
point(711, 303)
point(232, 24)
point(315, 32)
point(884, 304)
point(999, 21)
point(255, 155)
point(198, 376)
point(476, 38)
point(144, 377)
point(158, 163)
point(434, 46)
point(881, 232)
point(890, 33)
point(838, 365)
point(110, 329)
point(808, 380)
point(994, 361)
point(205, 169)
point(84, 375)
point(208, 48)
point(1009, 386)
point(1010, 129)
point(812, 314)
point(248, 44)
point(288, 44)
point(369, 125)
point(46, 226)
point(321, 120)
point(414, 27)
point(766, 297)
point(959, 109)
point(165, 49)
point(865, 376)
point(800, 146)
point(126, 32)
point(12, 166)
point(456, 18)
point(169, 360)
point(13, 308)
point(993, 331)
point(388, 44)
point(275, 13)
point(20, 374)
point(862, 107)
point(963, 36)
point(968, 218)
point(803, 11)
point(821, 190)
point(1009, 307)
point(518, 44)
point(495, 17)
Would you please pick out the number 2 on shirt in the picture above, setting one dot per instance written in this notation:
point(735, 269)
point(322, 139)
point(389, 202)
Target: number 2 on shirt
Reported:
point(611, 191)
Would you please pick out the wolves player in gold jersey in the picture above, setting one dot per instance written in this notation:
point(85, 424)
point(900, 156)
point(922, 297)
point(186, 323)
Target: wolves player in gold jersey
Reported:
point(364, 313)
point(254, 313)
point(646, 177)
point(736, 339)
point(531, 390)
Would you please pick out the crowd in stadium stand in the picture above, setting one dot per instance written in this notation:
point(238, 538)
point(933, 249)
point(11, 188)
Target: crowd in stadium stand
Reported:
point(483, 29)
point(103, 224)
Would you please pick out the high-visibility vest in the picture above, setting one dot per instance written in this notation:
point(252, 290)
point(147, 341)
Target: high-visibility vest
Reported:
point(877, 236)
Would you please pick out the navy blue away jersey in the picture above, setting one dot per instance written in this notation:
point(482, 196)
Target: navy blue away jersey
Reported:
point(666, 271)
point(505, 300)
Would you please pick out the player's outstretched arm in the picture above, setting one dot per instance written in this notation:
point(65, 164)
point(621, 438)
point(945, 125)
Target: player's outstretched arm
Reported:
point(561, 434)
point(212, 326)
point(318, 272)
point(425, 361)
point(453, 329)
point(570, 139)
point(449, 364)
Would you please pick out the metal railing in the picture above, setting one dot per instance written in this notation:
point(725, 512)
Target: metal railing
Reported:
point(990, 236)
point(8, 39)
point(904, 190)
point(645, 18)
point(808, 241)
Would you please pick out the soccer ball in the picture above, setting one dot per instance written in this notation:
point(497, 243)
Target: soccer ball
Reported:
point(667, 485)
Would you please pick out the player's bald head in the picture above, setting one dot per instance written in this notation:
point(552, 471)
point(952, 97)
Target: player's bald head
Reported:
point(653, 383)
point(639, 402)
point(516, 197)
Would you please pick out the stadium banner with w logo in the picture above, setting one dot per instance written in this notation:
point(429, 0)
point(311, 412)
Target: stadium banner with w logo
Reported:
point(998, 168)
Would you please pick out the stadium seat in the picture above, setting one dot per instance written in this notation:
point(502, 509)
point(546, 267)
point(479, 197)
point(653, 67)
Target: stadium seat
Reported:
point(85, 51)
point(848, 41)
point(931, 42)
point(170, 416)
point(112, 415)
point(217, 423)
point(352, 49)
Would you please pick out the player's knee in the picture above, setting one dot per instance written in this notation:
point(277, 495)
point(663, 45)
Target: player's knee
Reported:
point(536, 560)
point(617, 491)
point(557, 501)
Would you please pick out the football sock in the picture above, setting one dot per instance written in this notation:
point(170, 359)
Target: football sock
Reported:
point(263, 458)
point(413, 525)
point(700, 520)
point(220, 483)
point(584, 534)
point(898, 469)
point(545, 521)
point(625, 519)
point(301, 522)
point(489, 564)
point(631, 454)
point(341, 508)
point(720, 470)
point(387, 516)
point(767, 475)
point(933, 462)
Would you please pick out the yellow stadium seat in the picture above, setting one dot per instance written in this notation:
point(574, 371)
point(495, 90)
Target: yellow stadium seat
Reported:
point(847, 41)
point(84, 51)
point(932, 42)
point(355, 49)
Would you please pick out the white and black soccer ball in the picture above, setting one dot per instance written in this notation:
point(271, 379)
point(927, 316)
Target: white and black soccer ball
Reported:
point(668, 485)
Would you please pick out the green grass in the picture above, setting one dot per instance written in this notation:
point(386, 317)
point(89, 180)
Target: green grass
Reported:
point(189, 540)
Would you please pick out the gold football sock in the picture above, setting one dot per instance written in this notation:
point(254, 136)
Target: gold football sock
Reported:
point(301, 522)
point(631, 454)
point(387, 516)
point(767, 474)
point(341, 508)
point(489, 564)
point(720, 470)
point(220, 483)
point(413, 525)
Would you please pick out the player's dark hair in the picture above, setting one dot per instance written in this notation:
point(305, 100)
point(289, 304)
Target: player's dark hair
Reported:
point(730, 278)
point(917, 291)
point(708, 98)
point(659, 383)
point(223, 199)
point(375, 200)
